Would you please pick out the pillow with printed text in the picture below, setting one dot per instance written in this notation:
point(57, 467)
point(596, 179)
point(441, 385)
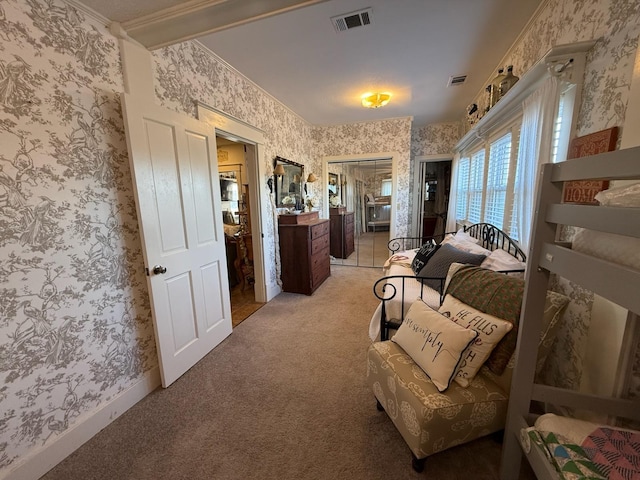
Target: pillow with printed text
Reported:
point(490, 331)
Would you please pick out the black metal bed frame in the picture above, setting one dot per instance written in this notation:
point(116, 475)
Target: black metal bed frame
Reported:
point(491, 238)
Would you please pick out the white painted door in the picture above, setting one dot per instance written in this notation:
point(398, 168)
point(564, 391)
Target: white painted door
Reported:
point(178, 199)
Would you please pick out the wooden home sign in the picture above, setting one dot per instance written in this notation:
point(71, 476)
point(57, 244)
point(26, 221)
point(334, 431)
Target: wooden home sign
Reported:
point(584, 191)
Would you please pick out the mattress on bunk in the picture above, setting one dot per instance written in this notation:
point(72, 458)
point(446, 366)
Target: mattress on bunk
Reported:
point(614, 248)
point(584, 450)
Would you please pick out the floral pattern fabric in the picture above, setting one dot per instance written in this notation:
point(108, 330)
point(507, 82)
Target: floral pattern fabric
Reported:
point(430, 421)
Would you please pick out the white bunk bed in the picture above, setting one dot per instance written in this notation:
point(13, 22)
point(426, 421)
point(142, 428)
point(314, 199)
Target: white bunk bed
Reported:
point(614, 281)
point(379, 213)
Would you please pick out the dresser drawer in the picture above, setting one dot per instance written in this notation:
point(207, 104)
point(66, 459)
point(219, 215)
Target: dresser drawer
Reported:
point(319, 244)
point(320, 258)
point(321, 272)
point(319, 229)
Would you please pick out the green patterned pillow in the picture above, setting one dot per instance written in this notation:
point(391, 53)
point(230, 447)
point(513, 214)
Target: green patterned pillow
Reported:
point(500, 295)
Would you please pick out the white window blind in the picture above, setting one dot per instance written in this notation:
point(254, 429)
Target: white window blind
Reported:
point(497, 179)
point(462, 190)
point(476, 186)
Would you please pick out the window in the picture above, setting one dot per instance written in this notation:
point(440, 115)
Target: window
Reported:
point(385, 188)
point(485, 188)
point(497, 180)
point(476, 177)
point(463, 189)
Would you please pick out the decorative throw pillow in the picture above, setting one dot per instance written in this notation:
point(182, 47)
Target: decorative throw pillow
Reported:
point(423, 255)
point(494, 293)
point(500, 260)
point(434, 342)
point(463, 236)
point(463, 243)
point(490, 331)
point(439, 264)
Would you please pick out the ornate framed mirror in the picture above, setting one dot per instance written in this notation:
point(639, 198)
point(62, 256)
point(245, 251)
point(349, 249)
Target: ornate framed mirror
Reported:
point(288, 179)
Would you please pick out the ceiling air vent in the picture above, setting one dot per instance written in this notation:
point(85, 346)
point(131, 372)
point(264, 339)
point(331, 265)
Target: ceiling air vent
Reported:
point(352, 20)
point(456, 80)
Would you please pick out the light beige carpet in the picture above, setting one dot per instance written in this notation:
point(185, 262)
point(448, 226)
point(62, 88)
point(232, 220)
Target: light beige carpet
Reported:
point(284, 397)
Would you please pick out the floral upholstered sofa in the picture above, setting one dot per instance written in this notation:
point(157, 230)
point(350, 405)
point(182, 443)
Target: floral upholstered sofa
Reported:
point(432, 417)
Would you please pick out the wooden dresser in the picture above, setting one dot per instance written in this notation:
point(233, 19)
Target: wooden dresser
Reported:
point(342, 244)
point(304, 252)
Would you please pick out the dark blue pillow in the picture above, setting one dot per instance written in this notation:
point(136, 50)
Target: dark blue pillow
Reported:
point(423, 255)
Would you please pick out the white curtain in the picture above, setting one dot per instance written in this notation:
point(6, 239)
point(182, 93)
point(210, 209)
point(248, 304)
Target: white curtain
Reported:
point(536, 138)
point(453, 195)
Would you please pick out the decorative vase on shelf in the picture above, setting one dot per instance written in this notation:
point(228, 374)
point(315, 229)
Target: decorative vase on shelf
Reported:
point(508, 81)
point(496, 84)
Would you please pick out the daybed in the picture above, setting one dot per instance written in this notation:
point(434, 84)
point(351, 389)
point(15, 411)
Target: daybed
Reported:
point(437, 408)
point(562, 447)
point(400, 285)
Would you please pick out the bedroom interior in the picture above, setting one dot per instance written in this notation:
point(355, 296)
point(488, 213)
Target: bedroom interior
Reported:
point(77, 322)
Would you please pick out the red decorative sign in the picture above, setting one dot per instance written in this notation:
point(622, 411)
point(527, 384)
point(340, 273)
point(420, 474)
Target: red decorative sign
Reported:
point(584, 191)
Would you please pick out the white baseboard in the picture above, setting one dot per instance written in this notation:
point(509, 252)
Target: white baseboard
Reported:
point(39, 462)
point(273, 291)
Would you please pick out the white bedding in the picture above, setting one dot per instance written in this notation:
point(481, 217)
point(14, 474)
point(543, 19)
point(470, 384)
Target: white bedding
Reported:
point(400, 264)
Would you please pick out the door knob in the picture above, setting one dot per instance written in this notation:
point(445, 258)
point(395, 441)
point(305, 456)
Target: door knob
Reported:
point(158, 269)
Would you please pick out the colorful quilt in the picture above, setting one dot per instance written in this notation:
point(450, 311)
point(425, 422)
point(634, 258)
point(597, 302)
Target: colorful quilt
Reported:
point(580, 450)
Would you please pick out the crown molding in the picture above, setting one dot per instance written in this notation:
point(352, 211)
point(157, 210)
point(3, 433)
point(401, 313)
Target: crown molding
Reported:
point(200, 17)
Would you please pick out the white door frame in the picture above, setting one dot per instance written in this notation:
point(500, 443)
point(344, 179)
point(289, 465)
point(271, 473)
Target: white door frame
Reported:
point(363, 157)
point(416, 224)
point(238, 131)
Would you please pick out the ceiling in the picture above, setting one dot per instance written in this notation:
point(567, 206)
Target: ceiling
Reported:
point(410, 49)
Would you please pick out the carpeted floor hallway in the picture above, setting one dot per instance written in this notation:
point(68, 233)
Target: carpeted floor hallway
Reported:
point(284, 397)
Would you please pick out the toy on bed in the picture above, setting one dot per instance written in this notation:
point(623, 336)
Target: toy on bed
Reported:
point(418, 268)
point(603, 259)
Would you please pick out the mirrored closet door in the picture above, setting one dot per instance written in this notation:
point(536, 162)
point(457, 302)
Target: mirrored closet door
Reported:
point(360, 206)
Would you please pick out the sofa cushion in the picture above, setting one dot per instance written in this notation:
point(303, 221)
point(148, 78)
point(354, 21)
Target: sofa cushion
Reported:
point(434, 342)
point(439, 264)
point(490, 331)
point(422, 256)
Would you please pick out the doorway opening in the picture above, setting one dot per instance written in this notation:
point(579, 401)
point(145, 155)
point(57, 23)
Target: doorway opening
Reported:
point(360, 197)
point(239, 237)
point(432, 185)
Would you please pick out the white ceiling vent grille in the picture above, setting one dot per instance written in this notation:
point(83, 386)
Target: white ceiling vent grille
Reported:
point(348, 21)
point(456, 80)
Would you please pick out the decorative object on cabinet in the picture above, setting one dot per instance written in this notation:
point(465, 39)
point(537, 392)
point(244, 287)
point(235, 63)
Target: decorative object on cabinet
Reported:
point(584, 191)
point(342, 242)
point(288, 177)
point(304, 252)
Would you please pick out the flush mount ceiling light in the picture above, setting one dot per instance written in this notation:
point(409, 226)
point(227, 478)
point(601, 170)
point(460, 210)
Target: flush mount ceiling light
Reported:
point(375, 100)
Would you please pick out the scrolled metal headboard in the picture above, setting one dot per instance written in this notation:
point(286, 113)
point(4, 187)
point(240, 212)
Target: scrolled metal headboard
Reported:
point(490, 236)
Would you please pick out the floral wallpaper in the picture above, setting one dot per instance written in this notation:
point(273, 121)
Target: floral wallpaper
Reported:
point(371, 137)
point(74, 316)
point(75, 324)
point(607, 81)
point(435, 139)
